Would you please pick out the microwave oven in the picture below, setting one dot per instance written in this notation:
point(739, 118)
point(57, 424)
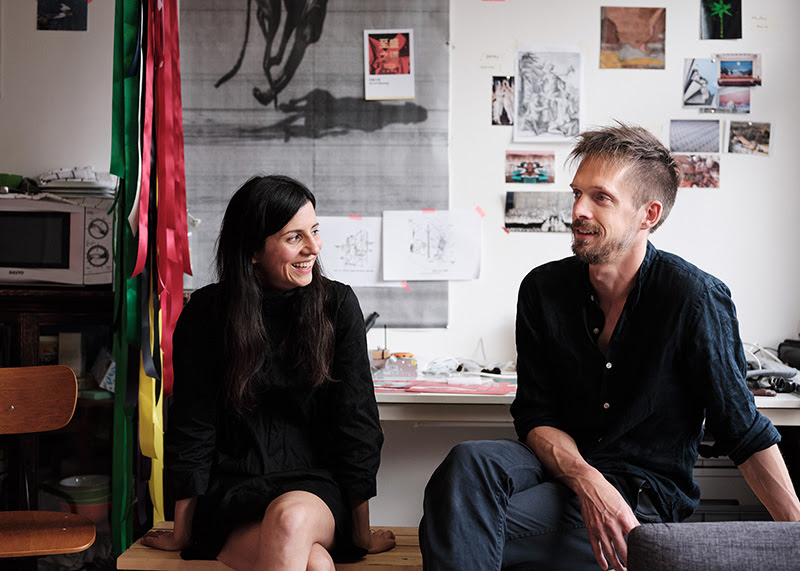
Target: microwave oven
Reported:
point(54, 242)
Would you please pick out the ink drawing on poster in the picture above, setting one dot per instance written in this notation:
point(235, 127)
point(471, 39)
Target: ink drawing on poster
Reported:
point(351, 250)
point(632, 38)
point(431, 245)
point(389, 64)
point(538, 211)
point(547, 95)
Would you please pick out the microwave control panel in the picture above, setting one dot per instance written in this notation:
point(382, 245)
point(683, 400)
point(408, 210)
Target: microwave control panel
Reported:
point(97, 245)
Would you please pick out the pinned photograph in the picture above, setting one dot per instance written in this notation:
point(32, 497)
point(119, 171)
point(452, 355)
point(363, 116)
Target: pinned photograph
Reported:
point(632, 38)
point(748, 138)
point(530, 166)
point(547, 95)
point(739, 69)
point(62, 15)
point(720, 19)
point(388, 64)
point(693, 136)
point(734, 99)
point(700, 83)
point(699, 171)
point(503, 100)
point(538, 211)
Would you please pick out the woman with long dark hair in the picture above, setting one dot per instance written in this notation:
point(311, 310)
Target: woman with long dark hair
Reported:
point(273, 439)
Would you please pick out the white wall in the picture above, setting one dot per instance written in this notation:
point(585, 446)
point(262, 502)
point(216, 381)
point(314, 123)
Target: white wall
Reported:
point(745, 232)
point(55, 109)
point(56, 106)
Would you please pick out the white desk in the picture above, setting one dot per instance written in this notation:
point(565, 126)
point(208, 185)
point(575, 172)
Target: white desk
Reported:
point(782, 409)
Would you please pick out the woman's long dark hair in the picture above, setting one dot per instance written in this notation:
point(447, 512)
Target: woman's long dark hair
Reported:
point(261, 207)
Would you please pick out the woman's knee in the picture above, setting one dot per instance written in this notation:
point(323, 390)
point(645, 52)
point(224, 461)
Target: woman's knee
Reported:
point(288, 517)
point(319, 559)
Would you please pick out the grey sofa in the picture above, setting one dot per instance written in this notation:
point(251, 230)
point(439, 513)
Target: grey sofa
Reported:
point(715, 546)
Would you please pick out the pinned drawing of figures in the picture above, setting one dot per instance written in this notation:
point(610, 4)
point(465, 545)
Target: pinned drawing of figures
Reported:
point(547, 95)
point(302, 26)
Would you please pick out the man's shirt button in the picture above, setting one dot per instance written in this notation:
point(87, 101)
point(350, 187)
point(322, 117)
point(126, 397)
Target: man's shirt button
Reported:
point(606, 405)
point(609, 365)
point(596, 330)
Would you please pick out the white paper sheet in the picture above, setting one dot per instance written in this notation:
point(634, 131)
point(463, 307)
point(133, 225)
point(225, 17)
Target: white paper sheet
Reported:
point(431, 245)
point(351, 250)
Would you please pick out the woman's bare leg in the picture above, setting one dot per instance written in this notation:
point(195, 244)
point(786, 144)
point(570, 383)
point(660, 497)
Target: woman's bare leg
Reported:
point(284, 540)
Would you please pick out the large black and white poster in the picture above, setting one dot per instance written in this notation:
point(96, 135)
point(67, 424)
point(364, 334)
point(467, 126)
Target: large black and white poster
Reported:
point(278, 87)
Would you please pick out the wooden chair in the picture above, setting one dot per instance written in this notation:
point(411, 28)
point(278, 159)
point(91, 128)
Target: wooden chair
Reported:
point(32, 400)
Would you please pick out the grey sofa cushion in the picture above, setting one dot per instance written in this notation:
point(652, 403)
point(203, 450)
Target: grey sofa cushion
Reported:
point(715, 546)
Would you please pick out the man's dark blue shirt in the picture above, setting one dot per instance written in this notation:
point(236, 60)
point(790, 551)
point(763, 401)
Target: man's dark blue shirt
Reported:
point(636, 412)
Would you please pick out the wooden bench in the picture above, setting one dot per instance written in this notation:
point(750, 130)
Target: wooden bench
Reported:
point(404, 557)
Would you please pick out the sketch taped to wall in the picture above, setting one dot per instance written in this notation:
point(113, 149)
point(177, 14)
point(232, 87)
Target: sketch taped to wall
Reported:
point(547, 95)
point(431, 245)
point(351, 250)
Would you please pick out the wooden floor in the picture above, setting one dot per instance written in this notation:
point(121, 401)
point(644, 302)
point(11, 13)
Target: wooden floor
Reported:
point(404, 557)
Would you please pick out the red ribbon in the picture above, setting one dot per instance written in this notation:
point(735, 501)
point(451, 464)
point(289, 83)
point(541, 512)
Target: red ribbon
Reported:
point(163, 101)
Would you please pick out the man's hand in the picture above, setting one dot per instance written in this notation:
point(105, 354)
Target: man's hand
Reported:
point(608, 519)
point(164, 539)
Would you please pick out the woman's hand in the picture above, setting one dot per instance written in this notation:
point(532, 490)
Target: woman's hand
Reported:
point(380, 540)
point(180, 535)
point(164, 539)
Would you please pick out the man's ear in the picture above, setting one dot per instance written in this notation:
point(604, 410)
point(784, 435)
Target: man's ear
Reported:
point(652, 214)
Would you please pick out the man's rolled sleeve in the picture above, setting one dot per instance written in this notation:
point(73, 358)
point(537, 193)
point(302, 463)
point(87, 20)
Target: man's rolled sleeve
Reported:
point(739, 430)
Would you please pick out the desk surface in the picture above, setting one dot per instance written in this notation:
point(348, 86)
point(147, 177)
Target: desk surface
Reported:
point(782, 409)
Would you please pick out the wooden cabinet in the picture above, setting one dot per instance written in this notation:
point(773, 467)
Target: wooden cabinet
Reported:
point(31, 314)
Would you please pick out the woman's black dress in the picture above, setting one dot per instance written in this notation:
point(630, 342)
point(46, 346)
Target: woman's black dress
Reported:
point(324, 440)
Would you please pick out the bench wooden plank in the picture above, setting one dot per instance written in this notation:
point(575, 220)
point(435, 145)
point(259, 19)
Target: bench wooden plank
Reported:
point(405, 557)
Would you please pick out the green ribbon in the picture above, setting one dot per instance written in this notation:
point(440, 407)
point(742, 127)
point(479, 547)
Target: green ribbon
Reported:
point(125, 164)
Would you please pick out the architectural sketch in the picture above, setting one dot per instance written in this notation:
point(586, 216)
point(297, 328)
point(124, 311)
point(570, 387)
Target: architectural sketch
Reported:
point(547, 95)
point(351, 249)
point(431, 245)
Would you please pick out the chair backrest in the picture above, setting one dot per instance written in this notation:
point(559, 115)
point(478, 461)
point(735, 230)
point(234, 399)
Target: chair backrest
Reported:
point(36, 399)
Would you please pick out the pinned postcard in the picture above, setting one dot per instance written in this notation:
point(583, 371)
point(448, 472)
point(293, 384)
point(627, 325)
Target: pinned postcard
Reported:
point(734, 100)
point(548, 94)
point(699, 171)
point(632, 38)
point(503, 100)
point(530, 166)
point(739, 69)
point(749, 138)
point(700, 83)
point(431, 245)
point(351, 250)
point(694, 136)
point(388, 64)
point(538, 211)
point(720, 19)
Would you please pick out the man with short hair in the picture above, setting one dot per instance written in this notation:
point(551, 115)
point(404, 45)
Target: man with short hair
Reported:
point(623, 352)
